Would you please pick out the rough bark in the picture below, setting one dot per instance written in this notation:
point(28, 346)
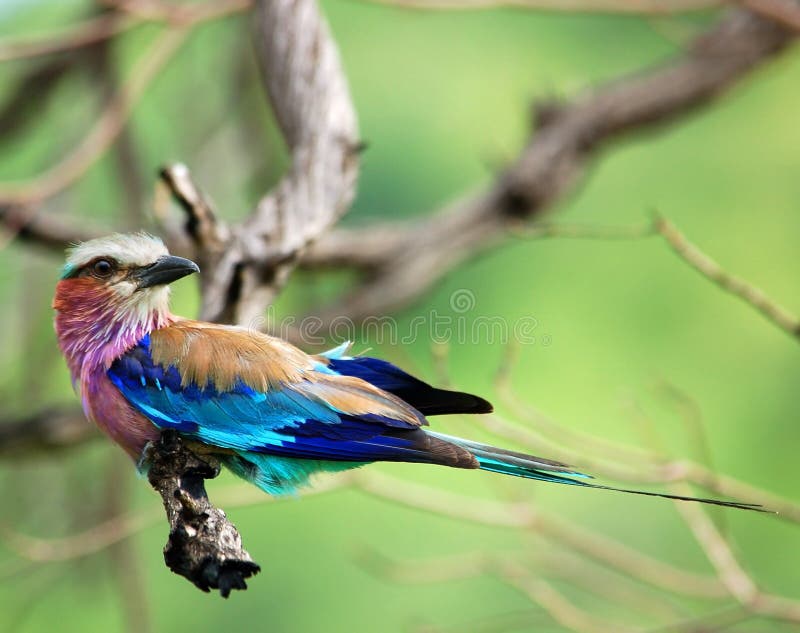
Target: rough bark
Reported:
point(203, 546)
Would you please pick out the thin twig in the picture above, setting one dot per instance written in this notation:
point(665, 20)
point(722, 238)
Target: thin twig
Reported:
point(544, 230)
point(716, 547)
point(108, 25)
point(177, 13)
point(119, 108)
point(118, 528)
point(411, 259)
point(578, 572)
point(91, 31)
point(714, 621)
point(736, 286)
point(601, 549)
point(104, 132)
point(731, 573)
point(614, 460)
point(208, 234)
point(522, 516)
point(44, 432)
point(786, 12)
point(562, 610)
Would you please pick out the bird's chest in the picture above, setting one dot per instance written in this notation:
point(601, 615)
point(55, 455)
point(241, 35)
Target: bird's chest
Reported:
point(114, 415)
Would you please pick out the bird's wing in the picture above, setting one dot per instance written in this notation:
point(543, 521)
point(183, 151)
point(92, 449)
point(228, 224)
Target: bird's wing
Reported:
point(423, 397)
point(246, 391)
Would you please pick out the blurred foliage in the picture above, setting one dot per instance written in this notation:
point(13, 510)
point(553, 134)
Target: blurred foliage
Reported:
point(444, 101)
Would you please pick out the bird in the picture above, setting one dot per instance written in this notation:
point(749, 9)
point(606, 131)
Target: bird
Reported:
point(269, 412)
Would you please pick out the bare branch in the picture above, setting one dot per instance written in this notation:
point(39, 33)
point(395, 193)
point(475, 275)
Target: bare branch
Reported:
point(599, 548)
point(204, 546)
point(202, 224)
point(570, 135)
point(561, 609)
point(312, 104)
point(717, 550)
point(637, 7)
point(108, 25)
point(46, 231)
point(119, 108)
point(104, 132)
point(91, 31)
point(522, 515)
point(786, 12)
point(707, 267)
point(44, 432)
point(120, 527)
point(207, 233)
point(178, 13)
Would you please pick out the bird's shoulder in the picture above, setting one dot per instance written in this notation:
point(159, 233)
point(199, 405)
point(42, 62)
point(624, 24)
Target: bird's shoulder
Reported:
point(224, 355)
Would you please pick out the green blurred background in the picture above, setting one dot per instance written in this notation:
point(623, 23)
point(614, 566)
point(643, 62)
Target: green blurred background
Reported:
point(444, 102)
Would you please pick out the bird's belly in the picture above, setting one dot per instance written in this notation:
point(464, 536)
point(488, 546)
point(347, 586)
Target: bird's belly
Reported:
point(105, 405)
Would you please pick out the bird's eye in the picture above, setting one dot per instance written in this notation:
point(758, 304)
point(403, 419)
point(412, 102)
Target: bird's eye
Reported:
point(102, 268)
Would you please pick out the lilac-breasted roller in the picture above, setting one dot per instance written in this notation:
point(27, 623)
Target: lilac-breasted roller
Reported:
point(271, 413)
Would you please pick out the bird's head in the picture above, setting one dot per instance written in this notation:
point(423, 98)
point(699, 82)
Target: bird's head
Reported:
point(114, 289)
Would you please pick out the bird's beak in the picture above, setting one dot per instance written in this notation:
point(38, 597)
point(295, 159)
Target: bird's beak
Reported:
point(165, 270)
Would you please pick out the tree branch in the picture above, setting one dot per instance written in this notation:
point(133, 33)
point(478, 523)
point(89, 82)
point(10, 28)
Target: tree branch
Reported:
point(786, 12)
point(46, 231)
point(203, 546)
point(405, 260)
point(207, 233)
point(311, 101)
point(45, 432)
point(95, 29)
point(636, 7)
point(103, 133)
point(712, 271)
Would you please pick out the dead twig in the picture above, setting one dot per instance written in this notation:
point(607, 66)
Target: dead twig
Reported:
point(91, 31)
point(204, 546)
point(104, 132)
point(736, 286)
point(636, 7)
point(785, 12)
point(44, 432)
point(311, 101)
point(405, 261)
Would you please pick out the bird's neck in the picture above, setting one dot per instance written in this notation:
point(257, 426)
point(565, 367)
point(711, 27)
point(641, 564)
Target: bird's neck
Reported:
point(94, 328)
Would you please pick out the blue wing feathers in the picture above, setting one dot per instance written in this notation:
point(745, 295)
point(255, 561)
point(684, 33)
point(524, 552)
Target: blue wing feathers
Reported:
point(420, 395)
point(283, 422)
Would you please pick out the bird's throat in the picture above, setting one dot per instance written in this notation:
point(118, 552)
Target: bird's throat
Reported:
point(95, 326)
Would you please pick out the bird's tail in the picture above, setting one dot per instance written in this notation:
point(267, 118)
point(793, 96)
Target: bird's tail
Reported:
point(499, 460)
